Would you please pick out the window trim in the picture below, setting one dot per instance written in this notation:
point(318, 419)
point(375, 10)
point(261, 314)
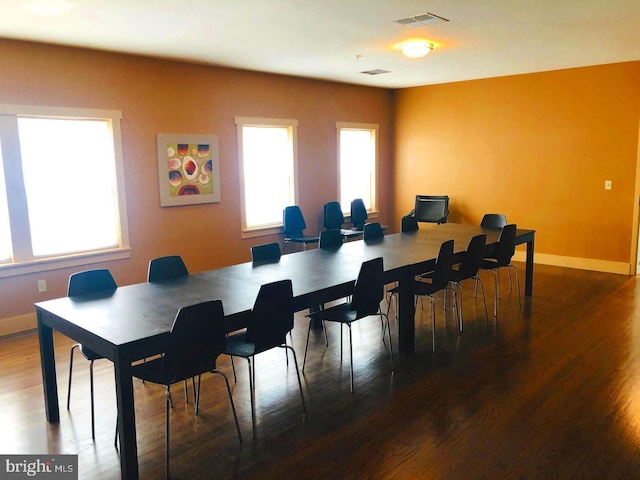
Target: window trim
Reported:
point(372, 211)
point(24, 262)
point(276, 228)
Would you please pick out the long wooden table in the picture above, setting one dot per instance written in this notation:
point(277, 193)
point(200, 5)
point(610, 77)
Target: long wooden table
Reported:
point(134, 321)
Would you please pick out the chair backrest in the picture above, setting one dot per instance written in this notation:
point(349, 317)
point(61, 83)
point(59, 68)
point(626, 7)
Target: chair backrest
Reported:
point(271, 316)
point(359, 214)
point(506, 246)
point(368, 291)
point(197, 338)
point(333, 216)
point(432, 208)
point(409, 224)
point(493, 220)
point(166, 267)
point(268, 252)
point(372, 231)
point(473, 256)
point(90, 281)
point(330, 239)
point(444, 265)
point(293, 221)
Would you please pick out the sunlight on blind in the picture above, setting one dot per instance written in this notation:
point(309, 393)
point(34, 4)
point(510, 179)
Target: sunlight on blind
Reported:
point(268, 170)
point(5, 229)
point(69, 176)
point(357, 163)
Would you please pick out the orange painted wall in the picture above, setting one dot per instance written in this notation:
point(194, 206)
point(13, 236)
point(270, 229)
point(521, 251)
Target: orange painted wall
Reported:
point(536, 147)
point(157, 96)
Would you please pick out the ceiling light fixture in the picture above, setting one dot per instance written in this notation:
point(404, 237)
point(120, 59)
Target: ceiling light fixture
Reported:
point(415, 48)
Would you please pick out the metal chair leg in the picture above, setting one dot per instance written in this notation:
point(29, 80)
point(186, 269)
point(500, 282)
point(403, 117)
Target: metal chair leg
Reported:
point(252, 387)
point(167, 410)
point(350, 356)
point(433, 323)
point(93, 415)
point(295, 361)
point(233, 407)
point(77, 345)
point(390, 342)
point(306, 346)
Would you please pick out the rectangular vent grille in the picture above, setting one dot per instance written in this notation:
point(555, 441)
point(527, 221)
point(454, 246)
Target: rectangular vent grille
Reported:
point(377, 71)
point(422, 20)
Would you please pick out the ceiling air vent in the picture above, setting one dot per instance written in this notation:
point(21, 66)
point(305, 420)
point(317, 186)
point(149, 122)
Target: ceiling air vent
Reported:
point(418, 21)
point(377, 71)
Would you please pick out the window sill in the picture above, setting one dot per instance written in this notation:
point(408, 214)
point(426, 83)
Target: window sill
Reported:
point(35, 266)
point(261, 232)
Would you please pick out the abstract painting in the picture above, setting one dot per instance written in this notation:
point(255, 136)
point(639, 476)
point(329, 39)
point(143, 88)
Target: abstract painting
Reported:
point(188, 169)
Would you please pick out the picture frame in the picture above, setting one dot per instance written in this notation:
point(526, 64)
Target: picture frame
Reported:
point(188, 169)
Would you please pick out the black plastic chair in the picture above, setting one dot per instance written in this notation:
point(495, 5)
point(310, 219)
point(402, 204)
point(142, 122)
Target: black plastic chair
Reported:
point(163, 268)
point(294, 226)
point(468, 269)
point(501, 258)
point(333, 219)
point(82, 283)
point(493, 220)
point(270, 321)
point(431, 208)
point(367, 294)
point(372, 231)
point(409, 224)
point(269, 252)
point(196, 340)
point(330, 239)
point(359, 215)
point(438, 280)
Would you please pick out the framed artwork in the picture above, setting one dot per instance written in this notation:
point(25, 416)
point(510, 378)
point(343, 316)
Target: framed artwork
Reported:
point(188, 169)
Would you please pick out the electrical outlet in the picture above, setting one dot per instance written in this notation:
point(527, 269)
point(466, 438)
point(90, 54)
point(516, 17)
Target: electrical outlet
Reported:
point(42, 286)
point(607, 185)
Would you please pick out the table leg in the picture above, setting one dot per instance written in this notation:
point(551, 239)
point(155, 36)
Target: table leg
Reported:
point(406, 314)
point(126, 418)
point(48, 361)
point(528, 282)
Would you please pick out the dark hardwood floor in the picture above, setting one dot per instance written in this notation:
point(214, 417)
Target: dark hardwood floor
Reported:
point(551, 390)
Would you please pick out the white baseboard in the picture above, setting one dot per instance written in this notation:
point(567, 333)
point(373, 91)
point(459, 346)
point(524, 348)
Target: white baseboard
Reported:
point(606, 266)
point(18, 324)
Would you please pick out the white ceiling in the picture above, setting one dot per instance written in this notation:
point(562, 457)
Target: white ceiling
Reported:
point(338, 39)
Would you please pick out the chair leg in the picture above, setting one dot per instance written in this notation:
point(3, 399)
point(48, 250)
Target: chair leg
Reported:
point(340, 345)
point(390, 342)
point(167, 410)
point(350, 356)
point(295, 361)
point(233, 367)
point(77, 345)
point(497, 293)
point(93, 414)
point(324, 329)
point(196, 392)
point(306, 346)
point(509, 267)
point(433, 324)
point(484, 298)
point(233, 407)
point(252, 387)
point(457, 304)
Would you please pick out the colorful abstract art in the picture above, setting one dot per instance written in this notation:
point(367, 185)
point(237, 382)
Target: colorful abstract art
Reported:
point(188, 168)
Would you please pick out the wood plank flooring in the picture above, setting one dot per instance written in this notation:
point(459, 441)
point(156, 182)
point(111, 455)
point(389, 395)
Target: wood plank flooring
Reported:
point(551, 390)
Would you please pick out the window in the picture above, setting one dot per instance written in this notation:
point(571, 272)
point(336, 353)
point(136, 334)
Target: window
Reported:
point(61, 190)
point(357, 164)
point(267, 153)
